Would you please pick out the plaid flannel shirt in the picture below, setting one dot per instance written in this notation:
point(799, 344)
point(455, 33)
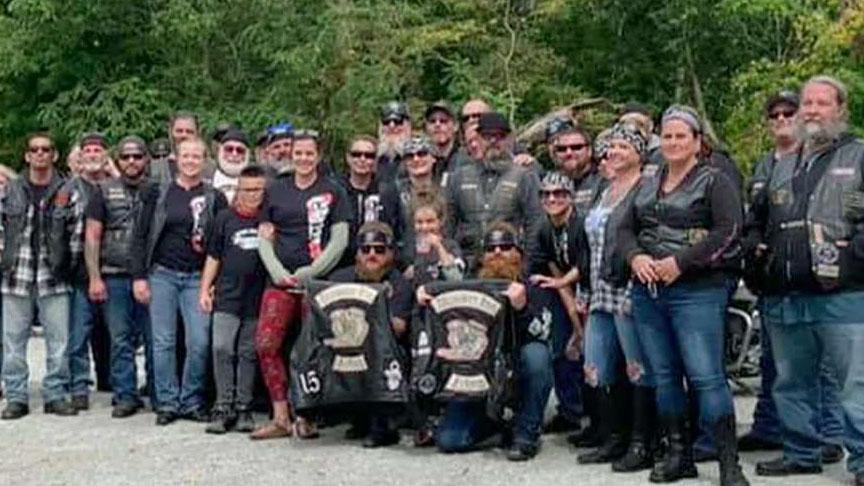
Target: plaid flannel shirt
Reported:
point(34, 278)
point(604, 297)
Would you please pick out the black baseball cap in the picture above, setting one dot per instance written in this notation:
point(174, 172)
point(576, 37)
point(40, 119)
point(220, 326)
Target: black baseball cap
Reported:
point(160, 147)
point(235, 135)
point(493, 122)
point(93, 138)
point(440, 105)
point(785, 96)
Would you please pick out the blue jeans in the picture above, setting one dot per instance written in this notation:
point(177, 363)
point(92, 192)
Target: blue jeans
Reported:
point(800, 349)
point(126, 320)
point(82, 317)
point(568, 375)
point(681, 331)
point(17, 319)
point(609, 338)
point(465, 423)
point(766, 423)
point(171, 290)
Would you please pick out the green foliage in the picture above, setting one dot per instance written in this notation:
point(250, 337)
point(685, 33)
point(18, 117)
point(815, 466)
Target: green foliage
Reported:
point(124, 67)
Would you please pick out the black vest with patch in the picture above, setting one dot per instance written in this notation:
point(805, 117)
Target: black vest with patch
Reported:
point(122, 204)
point(463, 346)
point(346, 351)
point(823, 238)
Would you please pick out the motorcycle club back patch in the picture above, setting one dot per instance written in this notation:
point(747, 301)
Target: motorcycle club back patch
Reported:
point(346, 351)
point(463, 341)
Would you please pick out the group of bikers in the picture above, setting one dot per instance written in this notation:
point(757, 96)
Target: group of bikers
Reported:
point(621, 255)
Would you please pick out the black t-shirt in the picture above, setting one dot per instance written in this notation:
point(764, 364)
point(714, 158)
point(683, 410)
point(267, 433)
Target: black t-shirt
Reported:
point(38, 193)
point(234, 242)
point(402, 300)
point(182, 209)
point(303, 218)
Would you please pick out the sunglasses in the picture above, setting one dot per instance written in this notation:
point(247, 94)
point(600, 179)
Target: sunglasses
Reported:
point(502, 247)
point(557, 193)
point(419, 153)
point(576, 147)
point(393, 121)
point(234, 149)
point(377, 249)
point(470, 116)
point(787, 114)
point(45, 149)
point(359, 154)
point(132, 156)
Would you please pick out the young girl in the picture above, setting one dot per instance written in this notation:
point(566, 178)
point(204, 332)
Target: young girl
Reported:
point(436, 258)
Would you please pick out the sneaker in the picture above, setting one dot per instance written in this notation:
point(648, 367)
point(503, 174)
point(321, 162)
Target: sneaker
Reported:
point(63, 408)
point(81, 402)
point(221, 421)
point(245, 422)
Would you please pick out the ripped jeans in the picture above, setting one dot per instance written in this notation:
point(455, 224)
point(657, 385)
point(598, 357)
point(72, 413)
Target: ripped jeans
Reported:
point(609, 338)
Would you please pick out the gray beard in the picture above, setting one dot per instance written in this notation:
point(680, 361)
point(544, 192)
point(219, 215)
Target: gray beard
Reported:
point(388, 148)
point(815, 139)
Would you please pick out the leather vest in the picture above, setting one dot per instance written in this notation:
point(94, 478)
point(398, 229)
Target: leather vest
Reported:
point(346, 351)
point(834, 215)
point(464, 345)
point(16, 217)
point(681, 219)
point(122, 204)
point(483, 201)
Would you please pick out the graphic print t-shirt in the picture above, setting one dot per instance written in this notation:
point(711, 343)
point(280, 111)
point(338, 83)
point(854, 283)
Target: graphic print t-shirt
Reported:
point(303, 218)
point(234, 242)
point(183, 210)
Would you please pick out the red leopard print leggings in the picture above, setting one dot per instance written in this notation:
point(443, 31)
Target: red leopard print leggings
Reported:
point(279, 311)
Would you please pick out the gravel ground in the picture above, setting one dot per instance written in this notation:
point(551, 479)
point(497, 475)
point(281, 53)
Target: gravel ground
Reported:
point(94, 449)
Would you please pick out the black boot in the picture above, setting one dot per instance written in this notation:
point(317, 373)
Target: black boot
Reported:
point(675, 460)
point(640, 454)
point(592, 435)
point(612, 406)
point(727, 452)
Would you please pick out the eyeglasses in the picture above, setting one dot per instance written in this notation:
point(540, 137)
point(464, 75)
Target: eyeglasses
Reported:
point(419, 153)
point(470, 116)
point(502, 247)
point(392, 121)
point(132, 156)
point(787, 114)
point(234, 149)
point(251, 189)
point(359, 154)
point(45, 149)
point(576, 147)
point(557, 193)
point(377, 249)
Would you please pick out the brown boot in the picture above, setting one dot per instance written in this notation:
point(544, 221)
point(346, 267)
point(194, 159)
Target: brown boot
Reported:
point(271, 431)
